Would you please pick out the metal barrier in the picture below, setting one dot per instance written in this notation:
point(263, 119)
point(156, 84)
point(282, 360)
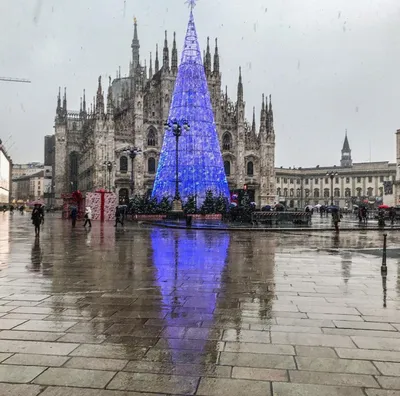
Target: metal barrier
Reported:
point(303, 218)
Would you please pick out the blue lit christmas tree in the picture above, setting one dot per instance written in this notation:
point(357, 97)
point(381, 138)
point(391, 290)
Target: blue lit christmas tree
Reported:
point(200, 164)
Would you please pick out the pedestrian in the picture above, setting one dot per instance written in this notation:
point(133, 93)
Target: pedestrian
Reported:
point(336, 218)
point(74, 215)
point(88, 217)
point(11, 210)
point(36, 219)
point(118, 217)
point(392, 215)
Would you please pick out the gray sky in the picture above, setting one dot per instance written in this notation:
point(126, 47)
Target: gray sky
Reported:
point(329, 65)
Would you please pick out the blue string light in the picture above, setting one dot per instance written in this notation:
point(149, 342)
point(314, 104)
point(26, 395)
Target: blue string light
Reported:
point(200, 161)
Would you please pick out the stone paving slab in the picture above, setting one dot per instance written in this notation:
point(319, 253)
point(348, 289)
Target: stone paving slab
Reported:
point(232, 387)
point(144, 382)
point(75, 378)
point(20, 390)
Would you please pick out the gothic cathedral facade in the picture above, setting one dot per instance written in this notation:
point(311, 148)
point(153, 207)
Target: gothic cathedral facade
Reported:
point(92, 144)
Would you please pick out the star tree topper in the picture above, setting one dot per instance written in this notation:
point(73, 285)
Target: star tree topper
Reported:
point(191, 3)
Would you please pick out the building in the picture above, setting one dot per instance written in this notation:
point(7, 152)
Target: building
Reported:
point(49, 168)
point(5, 175)
point(90, 143)
point(19, 170)
point(351, 182)
point(20, 189)
point(29, 187)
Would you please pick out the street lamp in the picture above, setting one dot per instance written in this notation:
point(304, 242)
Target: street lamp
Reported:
point(177, 126)
point(332, 175)
point(109, 165)
point(132, 152)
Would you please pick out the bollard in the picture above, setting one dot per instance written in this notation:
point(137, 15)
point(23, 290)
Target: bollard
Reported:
point(384, 267)
point(384, 288)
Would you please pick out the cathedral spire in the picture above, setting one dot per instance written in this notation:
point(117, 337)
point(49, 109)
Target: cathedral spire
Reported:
point(58, 111)
point(151, 67)
point(99, 99)
point(263, 117)
point(157, 62)
point(84, 102)
point(216, 58)
point(166, 53)
point(207, 62)
point(110, 107)
point(135, 49)
point(174, 60)
point(270, 116)
point(65, 102)
point(240, 87)
point(253, 125)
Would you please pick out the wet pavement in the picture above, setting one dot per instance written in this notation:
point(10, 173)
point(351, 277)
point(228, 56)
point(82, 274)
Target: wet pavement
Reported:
point(155, 311)
point(348, 223)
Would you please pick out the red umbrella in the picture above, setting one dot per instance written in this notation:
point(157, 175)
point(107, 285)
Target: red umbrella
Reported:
point(383, 207)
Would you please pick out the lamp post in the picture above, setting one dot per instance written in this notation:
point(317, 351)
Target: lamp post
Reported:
point(177, 126)
point(109, 165)
point(332, 175)
point(132, 152)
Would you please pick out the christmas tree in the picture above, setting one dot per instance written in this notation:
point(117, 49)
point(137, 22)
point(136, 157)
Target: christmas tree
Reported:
point(199, 155)
point(208, 206)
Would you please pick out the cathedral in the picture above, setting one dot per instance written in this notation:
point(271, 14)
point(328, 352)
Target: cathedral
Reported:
point(115, 142)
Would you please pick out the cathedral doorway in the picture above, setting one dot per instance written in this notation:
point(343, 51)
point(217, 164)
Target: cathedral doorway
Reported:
point(123, 196)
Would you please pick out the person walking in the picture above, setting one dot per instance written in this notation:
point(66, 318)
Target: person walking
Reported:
point(74, 215)
point(392, 215)
point(88, 217)
point(119, 218)
point(336, 218)
point(36, 219)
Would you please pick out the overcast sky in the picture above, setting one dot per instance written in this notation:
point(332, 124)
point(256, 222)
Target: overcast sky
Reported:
point(329, 65)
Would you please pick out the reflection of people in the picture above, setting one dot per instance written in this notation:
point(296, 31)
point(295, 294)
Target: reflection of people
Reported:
point(88, 217)
point(36, 219)
point(36, 255)
point(336, 218)
point(74, 215)
point(118, 217)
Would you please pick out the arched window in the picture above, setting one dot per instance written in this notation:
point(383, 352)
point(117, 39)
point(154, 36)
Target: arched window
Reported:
point(227, 141)
point(227, 167)
point(123, 196)
point(250, 168)
point(316, 192)
point(151, 165)
point(152, 138)
point(73, 170)
point(291, 192)
point(337, 192)
point(123, 164)
point(307, 192)
point(381, 191)
point(285, 192)
point(370, 192)
point(278, 192)
point(359, 191)
point(326, 192)
point(347, 192)
point(298, 192)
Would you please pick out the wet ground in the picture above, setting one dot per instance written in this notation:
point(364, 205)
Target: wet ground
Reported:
point(181, 312)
